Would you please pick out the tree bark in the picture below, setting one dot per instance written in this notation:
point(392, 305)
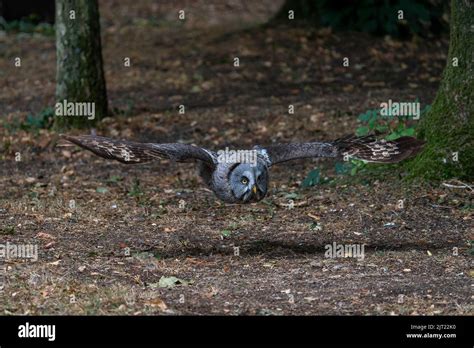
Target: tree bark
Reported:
point(449, 125)
point(79, 71)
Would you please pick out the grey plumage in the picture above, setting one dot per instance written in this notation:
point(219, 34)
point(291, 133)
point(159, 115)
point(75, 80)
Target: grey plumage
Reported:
point(242, 182)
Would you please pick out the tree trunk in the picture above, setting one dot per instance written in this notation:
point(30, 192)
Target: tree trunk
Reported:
point(449, 126)
point(79, 71)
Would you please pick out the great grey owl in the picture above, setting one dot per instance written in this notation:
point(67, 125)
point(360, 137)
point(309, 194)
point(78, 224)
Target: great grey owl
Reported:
point(242, 176)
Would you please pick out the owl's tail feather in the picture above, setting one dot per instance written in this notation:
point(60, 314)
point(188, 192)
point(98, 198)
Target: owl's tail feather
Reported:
point(370, 149)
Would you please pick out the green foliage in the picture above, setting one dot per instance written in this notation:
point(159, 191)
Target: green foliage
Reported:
point(226, 233)
point(313, 178)
point(32, 123)
point(293, 195)
point(356, 166)
point(28, 25)
point(342, 168)
point(351, 167)
point(7, 230)
point(40, 121)
point(375, 17)
point(101, 190)
point(395, 127)
point(233, 227)
point(114, 179)
point(135, 190)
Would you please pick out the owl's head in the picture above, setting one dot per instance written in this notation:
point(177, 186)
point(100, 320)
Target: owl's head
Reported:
point(249, 182)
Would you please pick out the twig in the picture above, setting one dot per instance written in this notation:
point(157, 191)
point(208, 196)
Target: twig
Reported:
point(463, 185)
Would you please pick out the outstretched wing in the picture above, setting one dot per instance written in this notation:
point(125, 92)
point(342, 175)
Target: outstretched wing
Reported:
point(130, 152)
point(369, 149)
point(279, 153)
point(366, 148)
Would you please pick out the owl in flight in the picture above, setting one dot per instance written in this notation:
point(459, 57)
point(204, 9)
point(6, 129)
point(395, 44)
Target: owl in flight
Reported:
point(235, 178)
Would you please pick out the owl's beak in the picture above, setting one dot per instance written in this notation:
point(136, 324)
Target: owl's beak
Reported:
point(254, 189)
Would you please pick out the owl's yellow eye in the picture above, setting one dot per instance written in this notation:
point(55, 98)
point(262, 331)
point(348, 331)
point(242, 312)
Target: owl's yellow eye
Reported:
point(244, 181)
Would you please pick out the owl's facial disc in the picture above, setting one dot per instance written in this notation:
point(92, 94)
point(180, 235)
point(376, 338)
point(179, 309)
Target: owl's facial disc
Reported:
point(248, 182)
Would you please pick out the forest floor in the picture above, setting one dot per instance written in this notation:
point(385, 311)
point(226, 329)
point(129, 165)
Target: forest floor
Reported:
point(110, 237)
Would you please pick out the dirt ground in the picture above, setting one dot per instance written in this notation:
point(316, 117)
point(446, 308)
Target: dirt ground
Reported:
point(107, 233)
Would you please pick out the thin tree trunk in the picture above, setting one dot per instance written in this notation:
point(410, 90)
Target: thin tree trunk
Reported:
point(449, 126)
point(79, 73)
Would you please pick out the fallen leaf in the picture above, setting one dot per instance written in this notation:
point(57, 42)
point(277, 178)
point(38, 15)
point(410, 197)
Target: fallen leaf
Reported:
point(66, 153)
point(157, 303)
point(43, 235)
point(49, 245)
point(313, 216)
point(170, 282)
point(212, 292)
